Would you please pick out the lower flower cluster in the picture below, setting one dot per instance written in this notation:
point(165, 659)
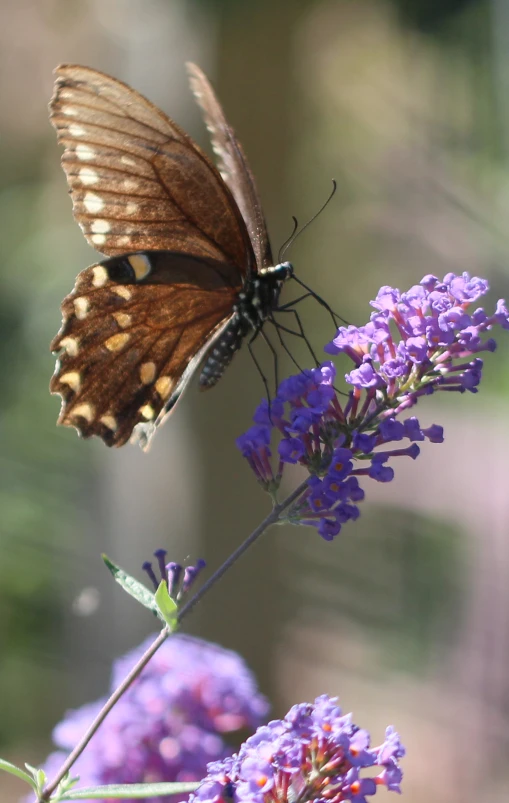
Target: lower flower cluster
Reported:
point(314, 754)
point(415, 343)
point(170, 723)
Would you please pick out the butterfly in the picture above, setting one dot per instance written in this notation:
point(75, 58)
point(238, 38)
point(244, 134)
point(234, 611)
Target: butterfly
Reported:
point(189, 270)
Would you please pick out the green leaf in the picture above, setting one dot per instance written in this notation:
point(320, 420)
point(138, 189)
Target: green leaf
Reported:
point(167, 606)
point(133, 587)
point(6, 766)
point(128, 791)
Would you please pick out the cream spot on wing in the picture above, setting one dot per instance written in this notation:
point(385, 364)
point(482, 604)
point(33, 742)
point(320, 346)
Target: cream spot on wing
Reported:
point(117, 342)
point(131, 209)
point(70, 344)
point(100, 226)
point(126, 160)
point(140, 265)
point(123, 240)
point(123, 319)
point(84, 152)
point(88, 176)
point(76, 130)
point(98, 239)
point(93, 203)
point(85, 410)
point(81, 307)
point(70, 111)
point(147, 411)
point(129, 184)
point(109, 421)
point(147, 372)
point(122, 291)
point(163, 386)
point(73, 379)
point(100, 276)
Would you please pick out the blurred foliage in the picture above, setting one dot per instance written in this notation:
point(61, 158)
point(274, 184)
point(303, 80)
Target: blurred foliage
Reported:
point(430, 16)
point(395, 574)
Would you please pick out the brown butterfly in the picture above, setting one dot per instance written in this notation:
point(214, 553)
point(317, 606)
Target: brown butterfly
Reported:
point(190, 271)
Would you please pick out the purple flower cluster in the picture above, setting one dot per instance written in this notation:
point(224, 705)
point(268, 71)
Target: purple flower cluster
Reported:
point(413, 340)
point(170, 723)
point(414, 344)
point(314, 754)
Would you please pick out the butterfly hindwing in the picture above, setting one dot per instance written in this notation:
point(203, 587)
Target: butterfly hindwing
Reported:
point(134, 330)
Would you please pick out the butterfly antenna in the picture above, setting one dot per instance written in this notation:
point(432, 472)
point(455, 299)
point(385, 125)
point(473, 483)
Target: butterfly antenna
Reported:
point(289, 240)
point(284, 248)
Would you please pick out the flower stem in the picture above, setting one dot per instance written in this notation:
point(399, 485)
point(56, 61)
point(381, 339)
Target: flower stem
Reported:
point(272, 518)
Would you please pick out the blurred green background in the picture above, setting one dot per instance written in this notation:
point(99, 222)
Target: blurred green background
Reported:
point(406, 615)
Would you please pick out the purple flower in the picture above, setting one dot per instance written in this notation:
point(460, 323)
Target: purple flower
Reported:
point(416, 343)
point(315, 753)
point(169, 725)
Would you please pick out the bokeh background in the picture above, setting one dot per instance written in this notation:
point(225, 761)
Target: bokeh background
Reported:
point(406, 616)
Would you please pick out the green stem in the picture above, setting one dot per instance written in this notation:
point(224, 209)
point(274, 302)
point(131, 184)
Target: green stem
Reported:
point(272, 518)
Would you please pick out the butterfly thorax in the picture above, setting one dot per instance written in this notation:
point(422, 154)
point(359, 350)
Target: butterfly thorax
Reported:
point(255, 304)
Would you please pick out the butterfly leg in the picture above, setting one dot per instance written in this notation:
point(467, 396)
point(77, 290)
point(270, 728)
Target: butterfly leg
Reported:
point(274, 357)
point(289, 304)
point(300, 333)
point(258, 367)
point(278, 327)
point(335, 317)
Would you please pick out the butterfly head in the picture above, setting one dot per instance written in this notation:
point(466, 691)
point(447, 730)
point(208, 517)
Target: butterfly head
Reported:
point(280, 272)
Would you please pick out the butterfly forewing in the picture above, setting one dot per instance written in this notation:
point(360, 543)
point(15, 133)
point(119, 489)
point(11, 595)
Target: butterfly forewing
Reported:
point(233, 165)
point(137, 181)
point(131, 330)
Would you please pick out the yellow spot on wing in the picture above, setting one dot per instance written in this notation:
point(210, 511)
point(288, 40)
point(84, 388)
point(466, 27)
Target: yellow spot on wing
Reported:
point(122, 291)
point(100, 276)
point(123, 319)
point(109, 421)
point(117, 342)
point(84, 410)
point(147, 411)
point(100, 226)
point(81, 307)
point(147, 372)
point(163, 386)
point(88, 175)
point(140, 265)
point(84, 152)
point(73, 379)
point(93, 203)
point(70, 344)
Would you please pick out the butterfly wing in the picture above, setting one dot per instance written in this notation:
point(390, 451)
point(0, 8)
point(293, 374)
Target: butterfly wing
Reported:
point(134, 330)
point(233, 165)
point(137, 181)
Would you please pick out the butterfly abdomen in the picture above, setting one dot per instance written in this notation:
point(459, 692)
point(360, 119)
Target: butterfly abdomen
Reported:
point(222, 353)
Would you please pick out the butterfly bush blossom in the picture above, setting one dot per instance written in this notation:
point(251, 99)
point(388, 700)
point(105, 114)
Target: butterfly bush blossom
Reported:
point(415, 343)
point(314, 754)
point(170, 723)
